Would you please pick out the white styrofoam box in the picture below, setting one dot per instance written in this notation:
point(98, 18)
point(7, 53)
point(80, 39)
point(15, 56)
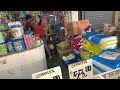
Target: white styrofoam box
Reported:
point(23, 64)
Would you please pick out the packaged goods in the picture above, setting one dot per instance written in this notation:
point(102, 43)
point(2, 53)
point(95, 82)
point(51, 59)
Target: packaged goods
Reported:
point(95, 42)
point(97, 70)
point(16, 29)
point(28, 39)
point(18, 44)
point(3, 49)
point(107, 60)
point(2, 39)
point(10, 45)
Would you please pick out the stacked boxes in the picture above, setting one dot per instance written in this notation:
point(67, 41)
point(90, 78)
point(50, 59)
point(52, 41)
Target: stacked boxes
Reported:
point(28, 41)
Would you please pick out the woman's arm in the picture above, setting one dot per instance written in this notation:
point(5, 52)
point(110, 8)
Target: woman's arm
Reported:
point(46, 34)
point(44, 28)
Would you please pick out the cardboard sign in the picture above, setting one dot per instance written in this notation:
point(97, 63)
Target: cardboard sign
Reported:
point(81, 70)
point(53, 73)
point(114, 74)
point(98, 77)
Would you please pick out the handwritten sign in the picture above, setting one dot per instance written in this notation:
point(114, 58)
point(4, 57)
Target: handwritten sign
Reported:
point(53, 73)
point(114, 74)
point(81, 70)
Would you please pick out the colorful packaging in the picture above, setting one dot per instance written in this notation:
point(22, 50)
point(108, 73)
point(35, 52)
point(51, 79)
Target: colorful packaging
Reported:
point(76, 43)
point(95, 42)
point(85, 55)
point(3, 49)
point(92, 48)
point(2, 39)
point(28, 41)
point(10, 45)
point(16, 29)
point(18, 44)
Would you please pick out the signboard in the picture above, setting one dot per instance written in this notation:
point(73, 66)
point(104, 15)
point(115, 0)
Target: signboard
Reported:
point(53, 73)
point(114, 74)
point(81, 70)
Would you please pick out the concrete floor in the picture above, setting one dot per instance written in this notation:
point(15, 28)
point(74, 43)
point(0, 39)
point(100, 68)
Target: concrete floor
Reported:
point(56, 61)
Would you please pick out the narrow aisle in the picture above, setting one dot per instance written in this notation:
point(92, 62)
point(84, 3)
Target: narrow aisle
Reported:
point(57, 62)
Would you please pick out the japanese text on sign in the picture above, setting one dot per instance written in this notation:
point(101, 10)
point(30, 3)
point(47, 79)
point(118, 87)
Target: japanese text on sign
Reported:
point(81, 70)
point(53, 73)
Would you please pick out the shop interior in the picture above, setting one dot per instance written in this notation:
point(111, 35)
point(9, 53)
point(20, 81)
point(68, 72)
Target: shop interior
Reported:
point(34, 41)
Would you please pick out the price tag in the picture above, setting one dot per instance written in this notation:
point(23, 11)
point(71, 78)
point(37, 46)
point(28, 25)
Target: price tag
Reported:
point(114, 74)
point(53, 73)
point(81, 70)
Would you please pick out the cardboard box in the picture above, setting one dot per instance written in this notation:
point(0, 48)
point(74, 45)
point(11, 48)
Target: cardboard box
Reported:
point(73, 28)
point(117, 33)
point(76, 27)
point(64, 53)
point(109, 29)
point(63, 46)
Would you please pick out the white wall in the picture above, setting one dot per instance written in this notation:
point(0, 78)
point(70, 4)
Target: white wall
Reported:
point(74, 15)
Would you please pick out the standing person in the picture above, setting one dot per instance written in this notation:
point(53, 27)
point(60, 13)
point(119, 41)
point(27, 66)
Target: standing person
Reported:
point(39, 28)
point(27, 23)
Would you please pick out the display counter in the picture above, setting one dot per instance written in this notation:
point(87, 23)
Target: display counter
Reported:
point(23, 64)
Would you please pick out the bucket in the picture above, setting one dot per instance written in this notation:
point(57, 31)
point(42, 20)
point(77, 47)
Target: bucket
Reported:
point(17, 31)
point(10, 45)
point(2, 39)
point(18, 44)
point(3, 49)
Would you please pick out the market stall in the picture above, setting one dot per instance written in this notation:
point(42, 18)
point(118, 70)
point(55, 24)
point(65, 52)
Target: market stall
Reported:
point(23, 64)
point(21, 52)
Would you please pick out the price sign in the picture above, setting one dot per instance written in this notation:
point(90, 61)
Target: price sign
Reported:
point(81, 70)
point(53, 73)
point(114, 74)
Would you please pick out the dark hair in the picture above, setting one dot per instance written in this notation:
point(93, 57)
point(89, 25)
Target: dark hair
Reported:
point(28, 17)
point(39, 23)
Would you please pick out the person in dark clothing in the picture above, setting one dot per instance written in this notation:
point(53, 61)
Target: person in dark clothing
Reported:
point(27, 24)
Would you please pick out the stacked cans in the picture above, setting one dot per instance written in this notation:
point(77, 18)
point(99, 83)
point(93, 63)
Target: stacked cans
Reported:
point(28, 39)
